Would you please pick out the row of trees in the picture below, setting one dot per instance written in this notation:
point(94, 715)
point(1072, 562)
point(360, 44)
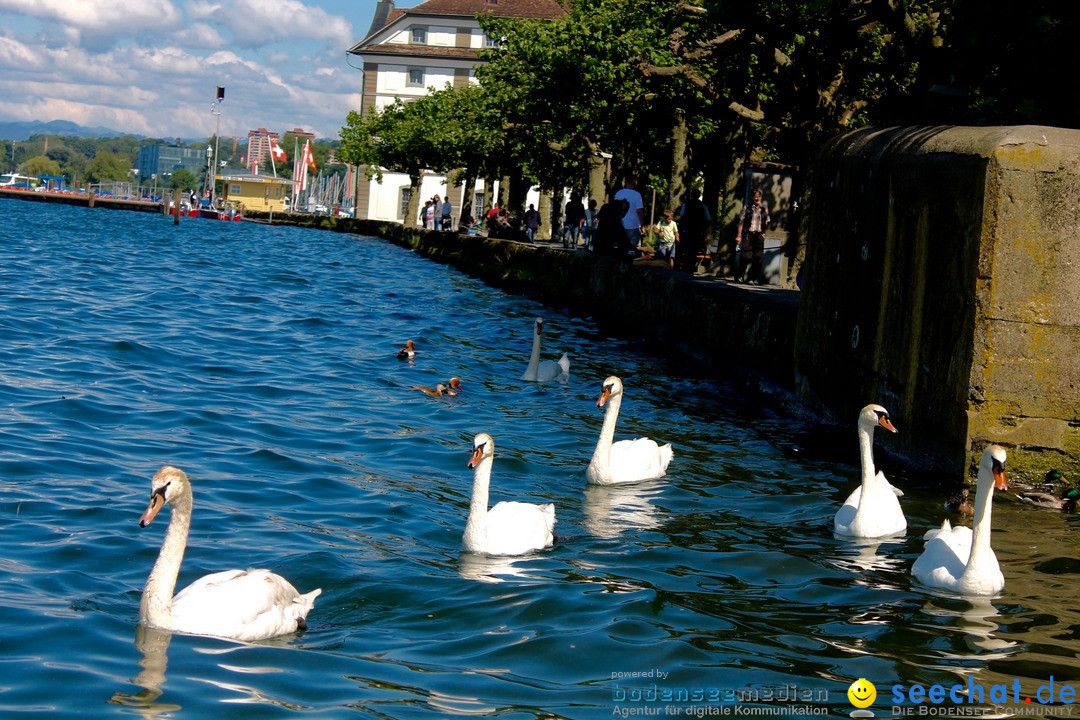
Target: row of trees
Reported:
point(681, 93)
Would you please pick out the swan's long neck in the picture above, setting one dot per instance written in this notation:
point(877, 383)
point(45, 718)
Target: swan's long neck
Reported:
point(866, 455)
point(155, 608)
point(476, 525)
point(980, 536)
point(602, 454)
point(534, 358)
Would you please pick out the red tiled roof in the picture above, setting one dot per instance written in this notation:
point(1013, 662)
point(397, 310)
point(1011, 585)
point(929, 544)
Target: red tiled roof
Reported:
point(542, 9)
point(532, 9)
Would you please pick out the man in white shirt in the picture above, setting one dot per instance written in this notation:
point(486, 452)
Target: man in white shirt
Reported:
point(634, 219)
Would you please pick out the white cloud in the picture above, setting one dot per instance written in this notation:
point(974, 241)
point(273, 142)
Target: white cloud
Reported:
point(199, 35)
point(97, 24)
point(150, 66)
point(255, 23)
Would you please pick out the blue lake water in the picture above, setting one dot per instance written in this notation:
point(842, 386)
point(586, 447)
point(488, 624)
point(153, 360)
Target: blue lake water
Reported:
point(261, 361)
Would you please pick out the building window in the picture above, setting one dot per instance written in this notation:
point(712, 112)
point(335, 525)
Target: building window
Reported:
point(416, 77)
point(492, 42)
point(419, 36)
point(478, 206)
point(406, 196)
point(492, 2)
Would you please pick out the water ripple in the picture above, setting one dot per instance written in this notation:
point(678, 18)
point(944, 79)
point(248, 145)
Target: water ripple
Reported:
point(262, 361)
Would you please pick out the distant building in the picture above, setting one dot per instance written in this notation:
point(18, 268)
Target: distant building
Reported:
point(259, 147)
point(256, 192)
point(407, 51)
point(162, 160)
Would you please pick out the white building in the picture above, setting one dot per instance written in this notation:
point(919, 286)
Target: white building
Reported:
point(409, 50)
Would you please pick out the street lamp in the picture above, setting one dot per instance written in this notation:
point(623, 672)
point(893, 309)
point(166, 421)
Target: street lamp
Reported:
point(215, 108)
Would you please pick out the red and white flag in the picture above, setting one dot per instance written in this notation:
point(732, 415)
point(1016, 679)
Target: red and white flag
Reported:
point(308, 158)
point(299, 173)
point(276, 152)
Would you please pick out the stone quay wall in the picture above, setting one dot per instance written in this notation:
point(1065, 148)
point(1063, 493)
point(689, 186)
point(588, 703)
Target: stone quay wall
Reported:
point(942, 280)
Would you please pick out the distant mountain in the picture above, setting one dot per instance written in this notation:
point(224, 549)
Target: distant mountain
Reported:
point(21, 131)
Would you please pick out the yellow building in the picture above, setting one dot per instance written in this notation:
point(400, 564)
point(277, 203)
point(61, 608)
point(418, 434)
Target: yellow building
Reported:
point(256, 192)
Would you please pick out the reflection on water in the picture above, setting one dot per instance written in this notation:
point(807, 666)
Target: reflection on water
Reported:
point(872, 561)
point(495, 568)
point(130, 343)
point(154, 646)
point(611, 510)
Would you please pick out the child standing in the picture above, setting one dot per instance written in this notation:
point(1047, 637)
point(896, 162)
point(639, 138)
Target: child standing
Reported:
point(668, 232)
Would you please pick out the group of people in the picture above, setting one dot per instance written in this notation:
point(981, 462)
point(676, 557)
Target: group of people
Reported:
point(617, 229)
point(437, 214)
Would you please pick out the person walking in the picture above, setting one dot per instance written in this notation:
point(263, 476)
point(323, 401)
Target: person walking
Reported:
point(693, 220)
point(750, 240)
point(447, 210)
point(634, 219)
point(575, 218)
point(668, 231)
point(532, 222)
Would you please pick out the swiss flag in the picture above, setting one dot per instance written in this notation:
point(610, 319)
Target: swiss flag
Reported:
point(276, 152)
point(308, 158)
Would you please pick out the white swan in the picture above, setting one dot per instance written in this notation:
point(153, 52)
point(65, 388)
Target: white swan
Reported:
point(626, 461)
point(546, 370)
point(238, 604)
point(871, 510)
point(509, 528)
point(960, 559)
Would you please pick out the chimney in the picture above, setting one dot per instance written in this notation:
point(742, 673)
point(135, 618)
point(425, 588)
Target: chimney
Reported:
point(382, 12)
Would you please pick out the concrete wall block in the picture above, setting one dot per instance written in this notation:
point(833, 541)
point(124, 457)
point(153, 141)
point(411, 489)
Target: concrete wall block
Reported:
point(942, 280)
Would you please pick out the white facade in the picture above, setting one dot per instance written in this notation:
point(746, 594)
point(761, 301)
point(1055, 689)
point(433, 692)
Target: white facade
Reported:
point(408, 53)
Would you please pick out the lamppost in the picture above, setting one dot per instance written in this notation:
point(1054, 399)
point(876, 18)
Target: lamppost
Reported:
point(215, 108)
point(208, 184)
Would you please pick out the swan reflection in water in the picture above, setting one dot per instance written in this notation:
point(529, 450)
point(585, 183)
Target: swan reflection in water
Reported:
point(613, 509)
point(495, 568)
point(974, 621)
point(862, 557)
point(154, 645)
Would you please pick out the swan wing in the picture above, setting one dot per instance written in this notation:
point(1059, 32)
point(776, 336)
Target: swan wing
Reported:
point(551, 371)
point(945, 558)
point(637, 460)
point(242, 604)
point(881, 480)
point(876, 515)
point(516, 528)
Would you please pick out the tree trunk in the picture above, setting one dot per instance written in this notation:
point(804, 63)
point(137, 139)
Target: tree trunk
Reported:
point(598, 179)
point(413, 206)
point(504, 192)
point(724, 197)
point(468, 195)
point(544, 231)
point(489, 195)
point(680, 161)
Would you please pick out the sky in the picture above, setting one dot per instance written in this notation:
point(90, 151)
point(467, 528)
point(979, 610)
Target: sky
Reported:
point(151, 67)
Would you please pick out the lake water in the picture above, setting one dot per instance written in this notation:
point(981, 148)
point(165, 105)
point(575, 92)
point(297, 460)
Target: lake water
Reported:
point(261, 360)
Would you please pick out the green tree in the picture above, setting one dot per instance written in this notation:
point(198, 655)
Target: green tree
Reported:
point(397, 138)
point(183, 180)
point(40, 165)
point(107, 166)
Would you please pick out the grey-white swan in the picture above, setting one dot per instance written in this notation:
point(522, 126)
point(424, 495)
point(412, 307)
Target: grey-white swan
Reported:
point(872, 509)
point(625, 461)
point(237, 604)
point(960, 558)
point(509, 528)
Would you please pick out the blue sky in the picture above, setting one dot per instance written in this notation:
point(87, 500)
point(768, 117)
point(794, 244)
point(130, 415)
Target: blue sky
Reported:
point(151, 67)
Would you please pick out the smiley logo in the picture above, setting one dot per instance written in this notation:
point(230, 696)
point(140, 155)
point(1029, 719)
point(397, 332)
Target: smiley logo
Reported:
point(862, 693)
